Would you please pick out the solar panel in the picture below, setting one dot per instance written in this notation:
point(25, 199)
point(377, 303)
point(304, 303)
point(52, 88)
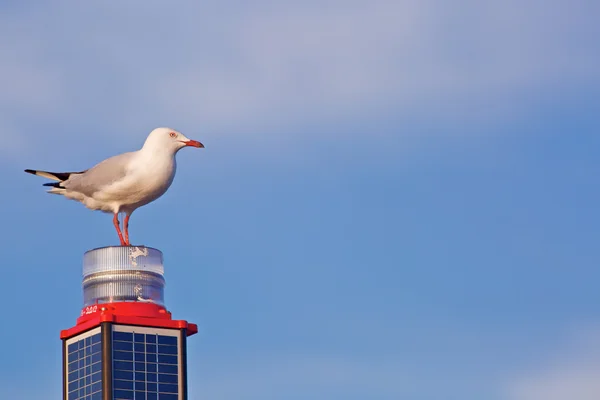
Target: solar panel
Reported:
point(84, 367)
point(145, 363)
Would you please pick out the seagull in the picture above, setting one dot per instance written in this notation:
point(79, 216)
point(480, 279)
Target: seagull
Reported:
point(122, 183)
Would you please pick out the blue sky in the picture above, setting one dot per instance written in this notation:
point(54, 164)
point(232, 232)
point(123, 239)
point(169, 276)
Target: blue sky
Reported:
point(397, 200)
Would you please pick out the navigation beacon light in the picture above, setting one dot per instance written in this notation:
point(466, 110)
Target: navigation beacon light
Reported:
point(125, 344)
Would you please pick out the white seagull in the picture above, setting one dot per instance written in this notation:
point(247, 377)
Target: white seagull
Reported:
point(124, 182)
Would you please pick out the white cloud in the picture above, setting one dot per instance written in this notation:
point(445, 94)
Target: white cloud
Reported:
point(233, 69)
point(572, 373)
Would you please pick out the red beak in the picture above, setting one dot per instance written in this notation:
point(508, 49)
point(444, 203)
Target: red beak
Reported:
point(194, 143)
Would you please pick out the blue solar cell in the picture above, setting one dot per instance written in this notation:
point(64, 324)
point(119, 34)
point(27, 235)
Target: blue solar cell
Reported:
point(123, 355)
point(125, 375)
point(151, 396)
point(172, 340)
point(167, 378)
point(140, 395)
point(167, 388)
point(123, 346)
point(123, 395)
point(84, 369)
point(165, 349)
point(73, 375)
point(119, 384)
point(124, 336)
point(73, 366)
point(123, 365)
point(96, 367)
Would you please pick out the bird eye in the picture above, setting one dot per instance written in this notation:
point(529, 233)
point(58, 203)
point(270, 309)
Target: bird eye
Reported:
point(172, 134)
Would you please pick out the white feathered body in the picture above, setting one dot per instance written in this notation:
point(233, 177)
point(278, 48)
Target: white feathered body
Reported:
point(143, 177)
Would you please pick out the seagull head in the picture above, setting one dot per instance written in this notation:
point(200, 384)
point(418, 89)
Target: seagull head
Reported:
point(170, 140)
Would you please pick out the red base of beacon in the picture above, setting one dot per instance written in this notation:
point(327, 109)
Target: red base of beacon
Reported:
point(127, 313)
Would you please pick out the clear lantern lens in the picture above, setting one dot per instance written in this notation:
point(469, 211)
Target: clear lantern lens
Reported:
point(123, 273)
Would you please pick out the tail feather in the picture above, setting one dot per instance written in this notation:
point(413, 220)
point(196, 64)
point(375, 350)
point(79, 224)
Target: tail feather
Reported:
point(57, 190)
point(55, 176)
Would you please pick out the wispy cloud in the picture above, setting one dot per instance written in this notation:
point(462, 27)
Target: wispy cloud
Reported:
point(571, 373)
point(234, 69)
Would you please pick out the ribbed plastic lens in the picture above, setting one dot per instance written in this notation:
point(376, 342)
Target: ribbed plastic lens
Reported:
point(123, 273)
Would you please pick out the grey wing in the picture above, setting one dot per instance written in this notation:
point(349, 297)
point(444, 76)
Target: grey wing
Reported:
point(101, 175)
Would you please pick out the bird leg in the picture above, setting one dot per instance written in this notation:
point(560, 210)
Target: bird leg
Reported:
point(126, 230)
point(118, 228)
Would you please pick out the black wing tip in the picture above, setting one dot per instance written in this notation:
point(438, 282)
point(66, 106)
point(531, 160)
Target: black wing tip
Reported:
point(53, 184)
point(31, 171)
